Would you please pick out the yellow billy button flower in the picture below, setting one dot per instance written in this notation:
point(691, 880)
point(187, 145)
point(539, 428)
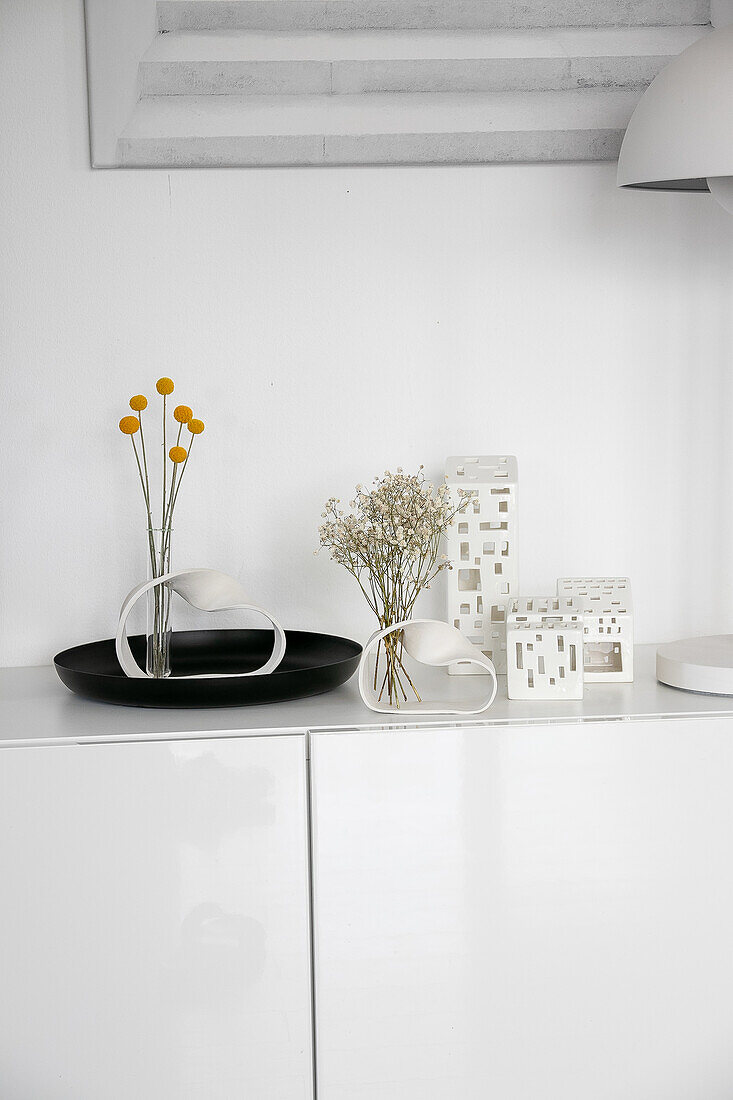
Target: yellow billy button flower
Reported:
point(182, 414)
point(129, 425)
point(195, 427)
point(138, 402)
point(164, 386)
point(177, 454)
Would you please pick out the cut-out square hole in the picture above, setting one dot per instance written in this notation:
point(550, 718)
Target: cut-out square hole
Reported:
point(462, 528)
point(505, 549)
point(464, 551)
point(498, 568)
point(480, 605)
point(598, 659)
point(476, 506)
point(504, 589)
point(498, 614)
point(469, 580)
point(530, 678)
point(489, 547)
point(465, 609)
point(477, 624)
point(503, 505)
point(541, 665)
point(520, 656)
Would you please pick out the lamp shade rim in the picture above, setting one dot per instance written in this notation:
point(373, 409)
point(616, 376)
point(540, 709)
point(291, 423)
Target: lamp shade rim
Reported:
point(690, 185)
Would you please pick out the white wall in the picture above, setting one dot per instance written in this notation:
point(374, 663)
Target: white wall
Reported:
point(329, 323)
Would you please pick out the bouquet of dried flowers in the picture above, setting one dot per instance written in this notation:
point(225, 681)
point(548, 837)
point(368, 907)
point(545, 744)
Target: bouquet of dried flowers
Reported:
point(159, 537)
point(390, 542)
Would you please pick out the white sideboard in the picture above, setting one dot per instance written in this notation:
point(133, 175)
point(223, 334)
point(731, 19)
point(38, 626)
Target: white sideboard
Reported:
point(529, 913)
point(534, 906)
point(154, 929)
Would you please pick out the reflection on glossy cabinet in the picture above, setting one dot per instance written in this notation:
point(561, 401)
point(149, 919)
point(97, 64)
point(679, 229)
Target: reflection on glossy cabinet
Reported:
point(154, 937)
point(531, 913)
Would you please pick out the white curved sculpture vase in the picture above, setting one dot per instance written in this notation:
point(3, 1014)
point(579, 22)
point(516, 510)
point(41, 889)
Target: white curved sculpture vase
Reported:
point(434, 643)
point(207, 590)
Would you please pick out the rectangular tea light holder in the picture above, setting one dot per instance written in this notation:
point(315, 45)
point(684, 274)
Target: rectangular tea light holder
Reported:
point(482, 545)
point(608, 633)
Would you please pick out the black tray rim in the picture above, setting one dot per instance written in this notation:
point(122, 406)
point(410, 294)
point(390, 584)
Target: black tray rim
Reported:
point(58, 660)
point(197, 651)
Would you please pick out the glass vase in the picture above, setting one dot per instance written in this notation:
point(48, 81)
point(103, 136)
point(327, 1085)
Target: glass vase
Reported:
point(158, 634)
point(392, 681)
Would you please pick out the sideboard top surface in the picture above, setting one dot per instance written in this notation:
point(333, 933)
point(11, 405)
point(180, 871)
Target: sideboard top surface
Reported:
point(36, 709)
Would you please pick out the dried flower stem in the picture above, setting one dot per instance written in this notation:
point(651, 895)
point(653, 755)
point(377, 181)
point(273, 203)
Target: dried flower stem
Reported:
point(390, 543)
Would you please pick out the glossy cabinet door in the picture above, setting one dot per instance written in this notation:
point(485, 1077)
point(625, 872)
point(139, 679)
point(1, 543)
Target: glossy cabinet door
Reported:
point(154, 939)
point(532, 913)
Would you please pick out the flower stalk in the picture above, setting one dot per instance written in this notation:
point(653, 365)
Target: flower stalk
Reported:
point(159, 538)
point(390, 543)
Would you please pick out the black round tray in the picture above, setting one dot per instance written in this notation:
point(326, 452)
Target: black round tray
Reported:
point(313, 664)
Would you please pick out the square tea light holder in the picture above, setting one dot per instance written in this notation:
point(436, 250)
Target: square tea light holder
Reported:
point(608, 626)
point(544, 648)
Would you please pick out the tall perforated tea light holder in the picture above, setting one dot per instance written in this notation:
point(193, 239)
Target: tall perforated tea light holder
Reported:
point(482, 545)
point(680, 138)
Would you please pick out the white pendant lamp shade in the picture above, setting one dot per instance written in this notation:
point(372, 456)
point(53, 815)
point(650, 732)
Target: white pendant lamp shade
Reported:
point(680, 137)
